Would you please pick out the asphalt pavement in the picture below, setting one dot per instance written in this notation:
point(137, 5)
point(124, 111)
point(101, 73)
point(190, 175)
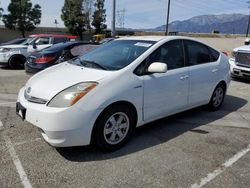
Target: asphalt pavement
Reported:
point(197, 148)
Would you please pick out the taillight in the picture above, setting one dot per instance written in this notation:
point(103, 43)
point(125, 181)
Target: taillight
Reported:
point(44, 59)
point(225, 53)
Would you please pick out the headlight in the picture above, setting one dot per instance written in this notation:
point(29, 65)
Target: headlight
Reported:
point(71, 95)
point(3, 50)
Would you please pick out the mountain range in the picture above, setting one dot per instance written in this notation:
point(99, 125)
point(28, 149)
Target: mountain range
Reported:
point(224, 23)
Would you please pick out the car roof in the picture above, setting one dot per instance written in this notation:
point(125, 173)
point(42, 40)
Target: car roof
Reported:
point(64, 45)
point(54, 35)
point(156, 38)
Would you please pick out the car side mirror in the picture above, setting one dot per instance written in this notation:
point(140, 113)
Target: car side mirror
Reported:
point(247, 41)
point(158, 67)
point(34, 45)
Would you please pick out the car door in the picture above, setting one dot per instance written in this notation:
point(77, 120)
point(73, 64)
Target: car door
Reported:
point(40, 44)
point(203, 71)
point(166, 93)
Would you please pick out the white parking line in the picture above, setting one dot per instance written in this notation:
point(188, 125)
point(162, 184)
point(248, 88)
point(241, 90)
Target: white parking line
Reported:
point(23, 176)
point(4, 103)
point(8, 104)
point(27, 142)
point(223, 167)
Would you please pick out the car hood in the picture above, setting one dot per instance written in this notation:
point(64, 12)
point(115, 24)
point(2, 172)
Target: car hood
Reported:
point(14, 46)
point(243, 48)
point(51, 81)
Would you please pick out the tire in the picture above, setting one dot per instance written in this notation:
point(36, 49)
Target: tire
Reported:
point(114, 127)
point(217, 97)
point(17, 62)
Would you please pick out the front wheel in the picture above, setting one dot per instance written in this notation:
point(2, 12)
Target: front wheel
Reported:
point(217, 98)
point(17, 62)
point(114, 128)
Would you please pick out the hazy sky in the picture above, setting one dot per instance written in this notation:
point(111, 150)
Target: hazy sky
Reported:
point(147, 13)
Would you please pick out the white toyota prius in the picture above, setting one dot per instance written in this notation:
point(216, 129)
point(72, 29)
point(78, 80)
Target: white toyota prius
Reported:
point(103, 95)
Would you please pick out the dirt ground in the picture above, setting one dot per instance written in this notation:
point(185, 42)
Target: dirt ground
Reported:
point(224, 44)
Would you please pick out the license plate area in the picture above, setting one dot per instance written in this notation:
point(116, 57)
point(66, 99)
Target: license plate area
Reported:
point(20, 111)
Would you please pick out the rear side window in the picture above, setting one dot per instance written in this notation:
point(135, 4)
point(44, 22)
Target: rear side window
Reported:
point(197, 53)
point(214, 54)
point(59, 40)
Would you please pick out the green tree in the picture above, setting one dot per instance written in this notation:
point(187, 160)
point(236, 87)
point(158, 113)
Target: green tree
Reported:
point(99, 17)
point(1, 13)
point(88, 9)
point(73, 17)
point(22, 16)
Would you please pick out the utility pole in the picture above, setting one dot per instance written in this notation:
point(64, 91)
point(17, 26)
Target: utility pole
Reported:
point(166, 33)
point(56, 22)
point(113, 33)
point(248, 2)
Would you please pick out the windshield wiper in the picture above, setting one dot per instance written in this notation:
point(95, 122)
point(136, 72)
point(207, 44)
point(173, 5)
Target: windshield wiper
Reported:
point(86, 63)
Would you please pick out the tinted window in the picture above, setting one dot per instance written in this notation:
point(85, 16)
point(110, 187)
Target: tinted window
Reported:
point(214, 54)
point(170, 53)
point(42, 40)
point(58, 40)
point(197, 53)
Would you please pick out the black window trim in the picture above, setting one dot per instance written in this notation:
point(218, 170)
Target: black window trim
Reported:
point(211, 54)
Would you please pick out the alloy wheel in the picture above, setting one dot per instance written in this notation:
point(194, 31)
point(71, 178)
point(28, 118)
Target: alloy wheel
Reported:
point(116, 128)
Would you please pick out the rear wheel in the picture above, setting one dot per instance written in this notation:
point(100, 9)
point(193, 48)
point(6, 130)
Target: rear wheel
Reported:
point(17, 62)
point(114, 128)
point(217, 98)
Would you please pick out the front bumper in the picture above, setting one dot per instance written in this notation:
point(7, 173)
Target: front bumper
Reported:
point(60, 127)
point(4, 59)
point(34, 67)
point(239, 71)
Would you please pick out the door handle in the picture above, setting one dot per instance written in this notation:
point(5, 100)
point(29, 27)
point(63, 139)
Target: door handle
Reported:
point(184, 77)
point(215, 70)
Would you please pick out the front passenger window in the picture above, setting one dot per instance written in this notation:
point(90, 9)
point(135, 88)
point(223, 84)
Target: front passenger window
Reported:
point(170, 53)
point(42, 41)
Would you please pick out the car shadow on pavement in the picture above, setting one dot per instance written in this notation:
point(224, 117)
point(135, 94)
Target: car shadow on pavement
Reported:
point(8, 68)
point(246, 81)
point(158, 132)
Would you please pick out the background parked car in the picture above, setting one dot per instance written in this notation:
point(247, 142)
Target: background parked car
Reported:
point(55, 54)
point(14, 56)
point(43, 41)
point(14, 41)
point(240, 63)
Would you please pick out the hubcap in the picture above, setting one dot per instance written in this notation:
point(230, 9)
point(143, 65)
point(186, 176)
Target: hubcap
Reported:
point(218, 97)
point(116, 128)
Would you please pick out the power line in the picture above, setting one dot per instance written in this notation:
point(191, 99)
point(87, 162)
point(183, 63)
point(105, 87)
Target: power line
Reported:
point(121, 17)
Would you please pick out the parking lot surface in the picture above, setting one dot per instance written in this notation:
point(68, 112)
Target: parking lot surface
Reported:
point(197, 148)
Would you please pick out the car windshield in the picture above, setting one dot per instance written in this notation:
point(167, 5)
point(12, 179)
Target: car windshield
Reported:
point(28, 41)
point(114, 55)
